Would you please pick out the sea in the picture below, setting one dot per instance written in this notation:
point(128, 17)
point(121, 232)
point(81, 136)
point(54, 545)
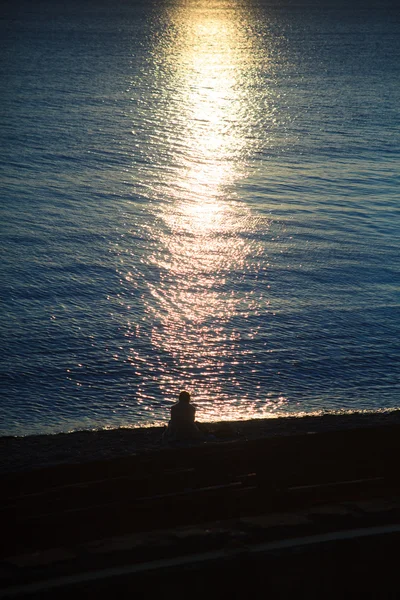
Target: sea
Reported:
point(199, 195)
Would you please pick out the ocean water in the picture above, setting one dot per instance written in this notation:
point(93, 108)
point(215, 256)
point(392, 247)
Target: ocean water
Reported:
point(203, 195)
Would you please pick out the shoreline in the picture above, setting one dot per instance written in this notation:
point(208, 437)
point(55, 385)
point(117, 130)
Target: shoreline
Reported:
point(24, 454)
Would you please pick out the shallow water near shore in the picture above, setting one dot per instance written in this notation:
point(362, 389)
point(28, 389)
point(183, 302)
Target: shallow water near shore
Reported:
point(200, 195)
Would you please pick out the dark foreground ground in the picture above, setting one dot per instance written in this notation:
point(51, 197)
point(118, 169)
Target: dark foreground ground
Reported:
point(311, 512)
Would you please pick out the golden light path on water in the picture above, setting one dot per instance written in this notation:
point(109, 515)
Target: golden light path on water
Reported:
point(204, 124)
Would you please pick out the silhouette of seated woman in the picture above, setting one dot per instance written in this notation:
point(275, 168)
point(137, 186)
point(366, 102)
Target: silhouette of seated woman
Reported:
point(182, 426)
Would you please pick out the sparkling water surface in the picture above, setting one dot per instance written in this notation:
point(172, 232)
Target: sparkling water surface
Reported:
point(198, 194)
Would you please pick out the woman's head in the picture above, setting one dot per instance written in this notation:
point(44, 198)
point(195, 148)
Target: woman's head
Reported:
point(184, 396)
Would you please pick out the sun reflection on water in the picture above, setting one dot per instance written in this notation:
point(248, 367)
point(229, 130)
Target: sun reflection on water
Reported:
point(203, 120)
point(206, 63)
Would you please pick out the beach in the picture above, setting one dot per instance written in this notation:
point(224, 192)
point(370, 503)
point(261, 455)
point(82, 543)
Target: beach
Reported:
point(200, 196)
point(36, 452)
point(130, 509)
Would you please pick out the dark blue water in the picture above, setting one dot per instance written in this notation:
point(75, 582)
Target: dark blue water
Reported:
point(201, 195)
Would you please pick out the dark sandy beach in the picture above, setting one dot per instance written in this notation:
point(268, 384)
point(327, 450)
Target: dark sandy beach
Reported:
point(39, 451)
point(87, 502)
